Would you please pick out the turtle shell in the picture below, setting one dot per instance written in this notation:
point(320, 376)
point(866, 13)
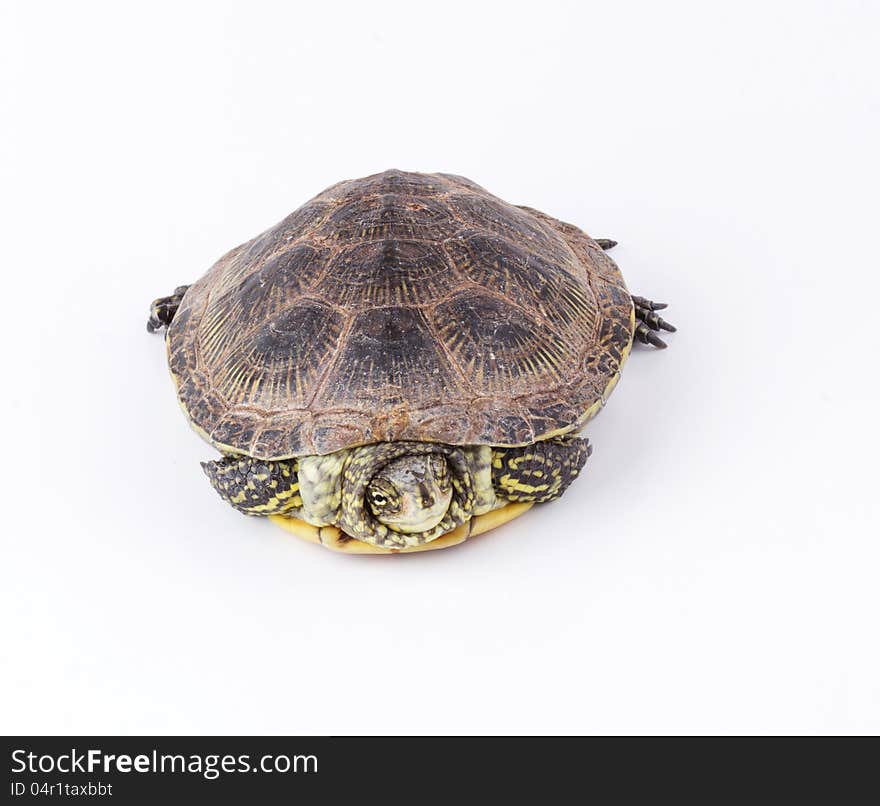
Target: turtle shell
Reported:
point(400, 306)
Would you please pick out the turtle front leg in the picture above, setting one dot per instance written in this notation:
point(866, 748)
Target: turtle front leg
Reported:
point(538, 472)
point(255, 486)
point(163, 309)
point(647, 321)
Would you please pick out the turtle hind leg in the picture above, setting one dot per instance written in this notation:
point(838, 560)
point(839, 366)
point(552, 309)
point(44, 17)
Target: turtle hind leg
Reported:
point(648, 321)
point(538, 472)
point(163, 309)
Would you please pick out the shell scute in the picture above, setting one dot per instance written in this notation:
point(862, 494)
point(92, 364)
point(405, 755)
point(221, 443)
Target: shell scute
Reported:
point(498, 218)
point(391, 216)
point(387, 272)
point(279, 281)
point(387, 350)
point(301, 222)
point(544, 414)
point(501, 348)
point(526, 279)
point(236, 428)
point(514, 422)
point(279, 362)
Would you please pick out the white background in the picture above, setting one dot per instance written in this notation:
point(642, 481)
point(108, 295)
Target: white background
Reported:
point(715, 569)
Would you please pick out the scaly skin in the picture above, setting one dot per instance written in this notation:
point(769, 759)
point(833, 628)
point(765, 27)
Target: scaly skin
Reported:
point(539, 472)
point(254, 486)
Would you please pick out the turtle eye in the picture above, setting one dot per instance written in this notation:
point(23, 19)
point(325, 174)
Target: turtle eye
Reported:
point(382, 497)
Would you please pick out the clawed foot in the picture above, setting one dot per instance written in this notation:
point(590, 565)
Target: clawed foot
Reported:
point(647, 321)
point(163, 309)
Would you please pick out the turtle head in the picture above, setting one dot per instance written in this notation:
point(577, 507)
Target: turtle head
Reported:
point(412, 493)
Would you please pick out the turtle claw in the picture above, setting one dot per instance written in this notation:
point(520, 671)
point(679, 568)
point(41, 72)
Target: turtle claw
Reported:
point(643, 302)
point(647, 321)
point(653, 321)
point(644, 335)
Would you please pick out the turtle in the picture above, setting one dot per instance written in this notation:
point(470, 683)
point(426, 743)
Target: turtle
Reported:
point(403, 362)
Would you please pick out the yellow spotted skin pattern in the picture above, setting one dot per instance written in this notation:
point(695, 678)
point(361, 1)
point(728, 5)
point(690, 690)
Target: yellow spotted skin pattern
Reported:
point(320, 480)
point(539, 472)
point(254, 486)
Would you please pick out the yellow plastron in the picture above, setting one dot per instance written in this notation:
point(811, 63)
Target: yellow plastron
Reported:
point(332, 538)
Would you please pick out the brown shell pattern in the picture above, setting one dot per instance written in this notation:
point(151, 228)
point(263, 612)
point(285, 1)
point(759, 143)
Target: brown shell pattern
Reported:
point(401, 306)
